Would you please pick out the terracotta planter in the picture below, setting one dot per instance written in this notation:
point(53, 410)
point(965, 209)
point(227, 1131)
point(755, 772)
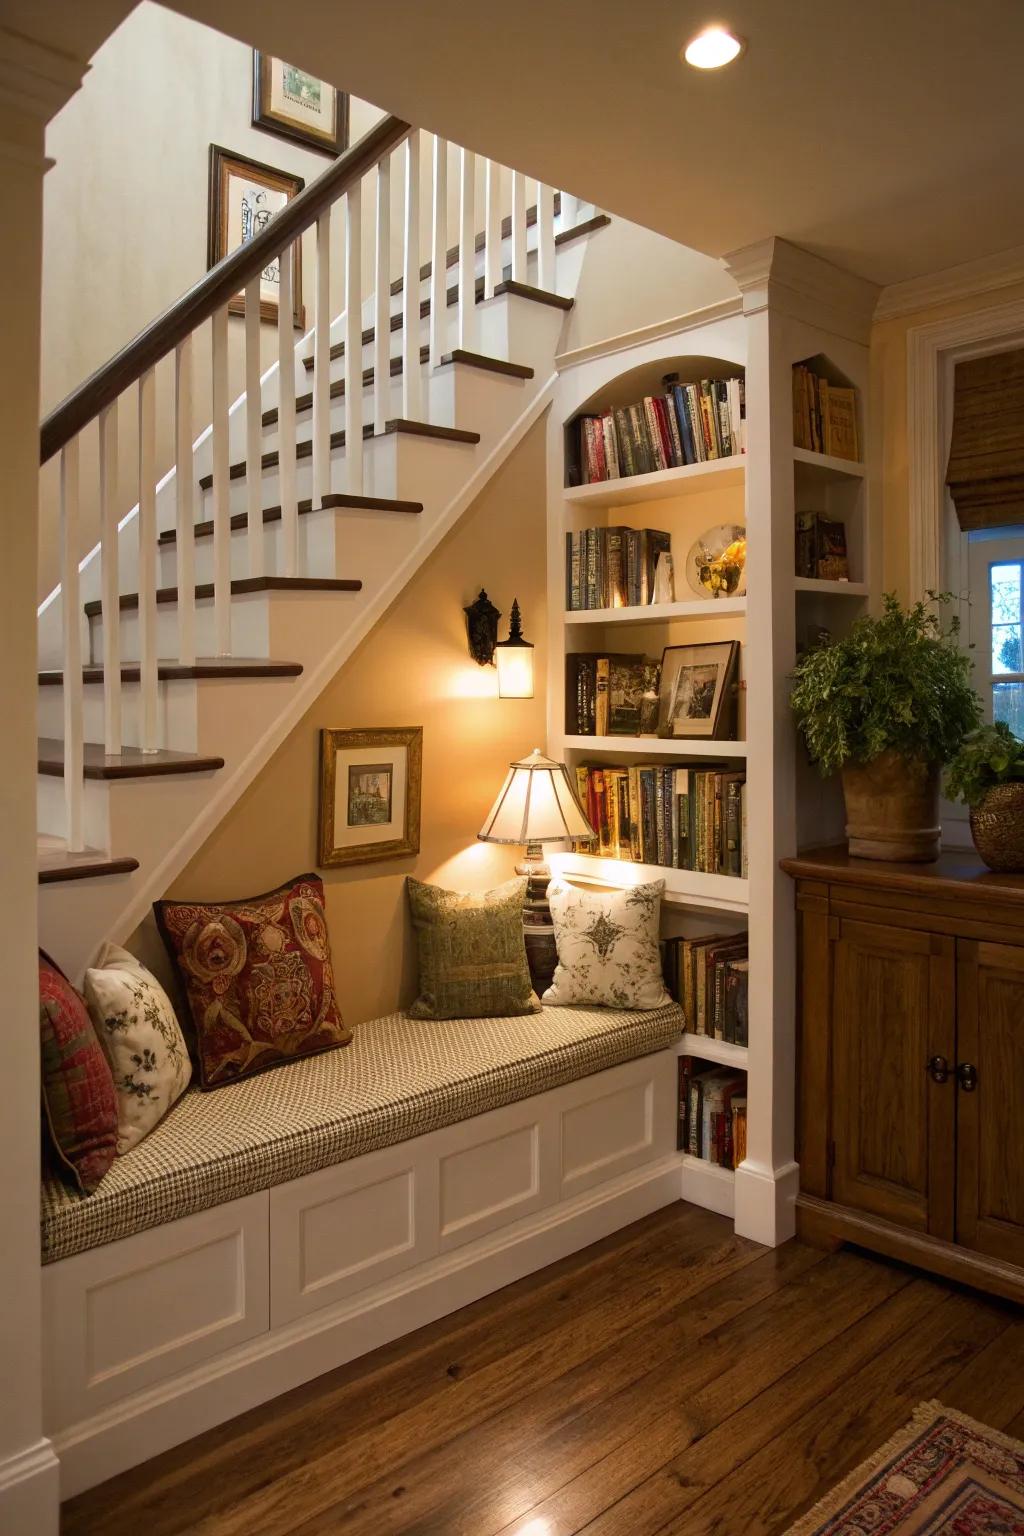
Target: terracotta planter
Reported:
point(997, 826)
point(892, 809)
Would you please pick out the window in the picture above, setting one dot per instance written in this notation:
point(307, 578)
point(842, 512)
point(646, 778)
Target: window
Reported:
point(996, 567)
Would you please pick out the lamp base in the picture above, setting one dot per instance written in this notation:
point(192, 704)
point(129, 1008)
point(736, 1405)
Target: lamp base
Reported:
point(538, 929)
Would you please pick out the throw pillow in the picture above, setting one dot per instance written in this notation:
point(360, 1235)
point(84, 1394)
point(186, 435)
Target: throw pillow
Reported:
point(79, 1102)
point(258, 976)
point(141, 1035)
point(608, 950)
point(472, 956)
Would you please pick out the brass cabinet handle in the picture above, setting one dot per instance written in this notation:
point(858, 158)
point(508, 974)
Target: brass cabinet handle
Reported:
point(937, 1068)
point(967, 1076)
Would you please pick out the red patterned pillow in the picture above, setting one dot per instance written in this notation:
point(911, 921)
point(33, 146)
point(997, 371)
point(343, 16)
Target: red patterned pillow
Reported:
point(258, 977)
point(79, 1099)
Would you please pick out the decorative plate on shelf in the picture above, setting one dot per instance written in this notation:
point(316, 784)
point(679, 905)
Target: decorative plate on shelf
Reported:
point(717, 563)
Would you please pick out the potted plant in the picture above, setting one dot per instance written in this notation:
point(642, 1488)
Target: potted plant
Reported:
point(887, 705)
point(988, 775)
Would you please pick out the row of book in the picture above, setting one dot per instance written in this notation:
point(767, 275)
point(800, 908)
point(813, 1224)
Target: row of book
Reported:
point(824, 415)
point(612, 567)
point(680, 818)
point(611, 695)
point(689, 424)
point(709, 978)
point(821, 547)
point(712, 1112)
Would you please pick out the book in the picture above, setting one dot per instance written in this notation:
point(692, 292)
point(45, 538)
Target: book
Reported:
point(821, 547)
point(687, 424)
point(680, 818)
point(736, 972)
point(824, 415)
point(612, 567)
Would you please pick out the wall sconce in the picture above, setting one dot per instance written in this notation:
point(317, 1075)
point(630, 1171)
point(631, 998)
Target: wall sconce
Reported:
point(514, 657)
point(482, 627)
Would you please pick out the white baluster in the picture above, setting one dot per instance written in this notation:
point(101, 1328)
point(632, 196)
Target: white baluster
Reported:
point(147, 563)
point(411, 394)
point(570, 211)
point(353, 342)
point(492, 228)
point(221, 488)
point(184, 482)
point(322, 362)
point(71, 620)
point(286, 471)
point(253, 432)
point(545, 237)
point(467, 250)
point(439, 254)
point(382, 299)
point(518, 227)
point(109, 582)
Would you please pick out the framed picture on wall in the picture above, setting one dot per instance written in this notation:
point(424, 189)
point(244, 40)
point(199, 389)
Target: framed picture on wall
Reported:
point(298, 106)
point(244, 195)
point(369, 795)
point(697, 694)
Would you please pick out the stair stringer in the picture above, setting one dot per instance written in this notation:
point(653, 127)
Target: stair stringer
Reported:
point(71, 928)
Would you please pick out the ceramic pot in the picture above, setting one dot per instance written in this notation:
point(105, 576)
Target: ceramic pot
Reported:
point(892, 809)
point(997, 826)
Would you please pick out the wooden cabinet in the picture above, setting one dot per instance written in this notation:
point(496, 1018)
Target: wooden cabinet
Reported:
point(911, 1062)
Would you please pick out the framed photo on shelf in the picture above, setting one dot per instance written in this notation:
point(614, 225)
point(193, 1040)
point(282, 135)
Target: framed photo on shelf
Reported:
point(370, 784)
point(298, 106)
point(244, 195)
point(697, 696)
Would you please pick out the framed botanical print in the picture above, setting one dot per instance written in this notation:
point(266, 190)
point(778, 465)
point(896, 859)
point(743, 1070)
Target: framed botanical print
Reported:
point(369, 794)
point(697, 694)
point(298, 106)
point(244, 196)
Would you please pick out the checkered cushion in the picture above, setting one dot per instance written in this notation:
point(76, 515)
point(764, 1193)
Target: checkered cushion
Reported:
point(399, 1078)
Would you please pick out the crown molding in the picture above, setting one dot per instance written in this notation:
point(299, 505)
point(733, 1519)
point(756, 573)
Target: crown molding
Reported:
point(622, 343)
point(987, 274)
point(776, 274)
point(36, 80)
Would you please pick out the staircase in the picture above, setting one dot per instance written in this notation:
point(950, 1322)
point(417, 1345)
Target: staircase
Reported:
point(177, 655)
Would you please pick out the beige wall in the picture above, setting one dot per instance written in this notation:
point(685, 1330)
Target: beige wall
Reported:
point(889, 412)
point(414, 669)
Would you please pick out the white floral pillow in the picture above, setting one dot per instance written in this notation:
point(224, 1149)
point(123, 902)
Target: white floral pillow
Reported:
point(142, 1038)
point(608, 951)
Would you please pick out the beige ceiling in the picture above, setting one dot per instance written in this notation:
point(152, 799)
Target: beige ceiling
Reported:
point(885, 135)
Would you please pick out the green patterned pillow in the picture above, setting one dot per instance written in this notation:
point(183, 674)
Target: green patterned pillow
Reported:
point(472, 954)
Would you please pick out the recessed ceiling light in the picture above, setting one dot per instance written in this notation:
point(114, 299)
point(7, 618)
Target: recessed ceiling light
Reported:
point(712, 48)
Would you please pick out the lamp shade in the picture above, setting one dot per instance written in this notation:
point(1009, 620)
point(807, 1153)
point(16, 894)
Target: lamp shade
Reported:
point(536, 805)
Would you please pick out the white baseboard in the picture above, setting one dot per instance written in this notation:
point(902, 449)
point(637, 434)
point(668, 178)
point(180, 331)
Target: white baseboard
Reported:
point(153, 1421)
point(765, 1207)
point(30, 1492)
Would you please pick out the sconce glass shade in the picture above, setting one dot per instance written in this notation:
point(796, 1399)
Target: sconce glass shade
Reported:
point(514, 660)
point(536, 805)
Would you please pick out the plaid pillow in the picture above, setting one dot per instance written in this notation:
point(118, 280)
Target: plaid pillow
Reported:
point(258, 977)
point(79, 1102)
point(471, 951)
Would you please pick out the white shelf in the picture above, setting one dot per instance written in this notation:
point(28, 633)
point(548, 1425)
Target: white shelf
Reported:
point(663, 483)
point(831, 588)
point(659, 613)
point(714, 893)
point(707, 1184)
point(656, 746)
point(710, 1049)
point(826, 467)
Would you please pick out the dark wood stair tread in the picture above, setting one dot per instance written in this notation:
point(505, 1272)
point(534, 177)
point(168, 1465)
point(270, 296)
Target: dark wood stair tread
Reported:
point(457, 355)
point(55, 863)
point(204, 589)
point(304, 449)
point(335, 501)
point(130, 763)
point(177, 671)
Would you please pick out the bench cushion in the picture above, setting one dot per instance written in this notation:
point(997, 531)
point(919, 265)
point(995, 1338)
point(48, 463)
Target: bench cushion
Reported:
point(399, 1078)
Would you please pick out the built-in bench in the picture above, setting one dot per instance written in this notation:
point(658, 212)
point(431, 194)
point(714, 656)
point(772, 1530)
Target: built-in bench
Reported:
point(270, 1230)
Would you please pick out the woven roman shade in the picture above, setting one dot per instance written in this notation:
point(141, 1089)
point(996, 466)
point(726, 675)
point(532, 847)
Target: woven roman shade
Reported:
point(986, 456)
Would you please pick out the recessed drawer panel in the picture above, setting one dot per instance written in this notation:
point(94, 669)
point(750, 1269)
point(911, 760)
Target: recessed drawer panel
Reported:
point(489, 1183)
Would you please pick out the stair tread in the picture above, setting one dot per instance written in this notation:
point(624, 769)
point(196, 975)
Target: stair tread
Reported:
point(204, 589)
point(174, 671)
point(304, 449)
point(334, 501)
point(54, 862)
point(130, 763)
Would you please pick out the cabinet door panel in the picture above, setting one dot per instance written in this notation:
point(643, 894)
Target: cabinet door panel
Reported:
point(990, 1119)
point(893, 1000)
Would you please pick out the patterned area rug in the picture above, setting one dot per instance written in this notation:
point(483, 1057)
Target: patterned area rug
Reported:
point(941, 1475)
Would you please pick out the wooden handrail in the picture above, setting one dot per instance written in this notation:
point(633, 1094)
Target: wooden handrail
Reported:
point(213, 290)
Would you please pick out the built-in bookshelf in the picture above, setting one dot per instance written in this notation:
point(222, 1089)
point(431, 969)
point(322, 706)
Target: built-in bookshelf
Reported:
point(768, 617)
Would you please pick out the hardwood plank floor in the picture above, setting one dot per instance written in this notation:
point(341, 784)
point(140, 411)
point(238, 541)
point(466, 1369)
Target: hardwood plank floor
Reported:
point(671, 1379)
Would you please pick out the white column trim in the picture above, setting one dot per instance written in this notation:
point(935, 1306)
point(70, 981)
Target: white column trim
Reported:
point(35, 79)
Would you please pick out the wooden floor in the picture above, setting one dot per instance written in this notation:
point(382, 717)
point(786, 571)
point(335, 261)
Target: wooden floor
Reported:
point(673, 1378)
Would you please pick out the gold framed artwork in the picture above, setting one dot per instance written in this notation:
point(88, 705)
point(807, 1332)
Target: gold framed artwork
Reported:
point(244, 195)
point(370, 784)
point(295, 105)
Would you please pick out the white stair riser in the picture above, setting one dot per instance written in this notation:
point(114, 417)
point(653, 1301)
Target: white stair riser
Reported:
point(177, 713)
point(520, 330)
point(117, 813)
